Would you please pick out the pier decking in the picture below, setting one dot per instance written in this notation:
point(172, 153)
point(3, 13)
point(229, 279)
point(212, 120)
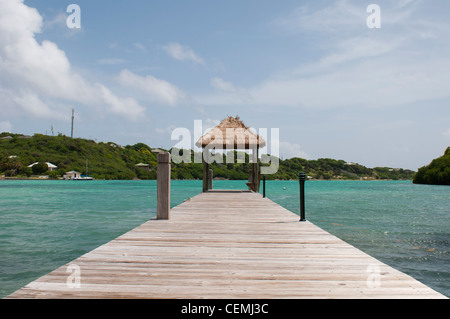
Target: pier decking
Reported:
point(227, 245)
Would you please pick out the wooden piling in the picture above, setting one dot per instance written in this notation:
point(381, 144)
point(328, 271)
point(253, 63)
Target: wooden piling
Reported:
point(163, 185)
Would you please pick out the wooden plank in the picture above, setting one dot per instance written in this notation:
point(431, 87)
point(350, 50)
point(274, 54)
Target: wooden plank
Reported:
point(223, 244)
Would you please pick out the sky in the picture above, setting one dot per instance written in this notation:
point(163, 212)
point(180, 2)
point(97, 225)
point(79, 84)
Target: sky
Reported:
point(136, 70)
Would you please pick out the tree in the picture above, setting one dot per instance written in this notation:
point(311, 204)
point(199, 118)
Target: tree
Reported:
point(39, 168)
point(25, 170)
point(437, 172)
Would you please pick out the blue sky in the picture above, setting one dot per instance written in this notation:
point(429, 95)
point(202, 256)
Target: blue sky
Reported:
point(136, 70)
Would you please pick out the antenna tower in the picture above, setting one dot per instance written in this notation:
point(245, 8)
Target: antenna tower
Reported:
point(71, 131)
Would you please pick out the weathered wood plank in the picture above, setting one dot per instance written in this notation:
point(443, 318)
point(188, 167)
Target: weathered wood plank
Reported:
point(228, 245)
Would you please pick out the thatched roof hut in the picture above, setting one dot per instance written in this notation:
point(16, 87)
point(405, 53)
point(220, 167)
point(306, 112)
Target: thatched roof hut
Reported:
point(231, 133)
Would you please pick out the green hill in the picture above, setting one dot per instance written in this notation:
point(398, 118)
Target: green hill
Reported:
point(436, 173)
point(112, 161)
point(106, 160)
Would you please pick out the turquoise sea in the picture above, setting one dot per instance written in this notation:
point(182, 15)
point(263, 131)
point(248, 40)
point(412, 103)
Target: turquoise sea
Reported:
point(46, 224)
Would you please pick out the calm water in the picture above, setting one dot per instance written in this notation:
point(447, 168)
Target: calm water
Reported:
point(45, 224)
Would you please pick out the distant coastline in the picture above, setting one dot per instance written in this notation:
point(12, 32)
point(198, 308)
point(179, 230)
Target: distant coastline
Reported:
point(20, 155)
point(46, 178)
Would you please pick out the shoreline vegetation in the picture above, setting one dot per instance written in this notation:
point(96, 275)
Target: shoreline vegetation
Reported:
point(436, 173)
point(110, 161)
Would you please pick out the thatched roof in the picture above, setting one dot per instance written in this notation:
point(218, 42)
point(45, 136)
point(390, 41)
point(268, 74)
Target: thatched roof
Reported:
point(231, 133)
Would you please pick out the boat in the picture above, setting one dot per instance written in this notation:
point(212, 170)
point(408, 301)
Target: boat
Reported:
point(83, 178)
point(80, 177)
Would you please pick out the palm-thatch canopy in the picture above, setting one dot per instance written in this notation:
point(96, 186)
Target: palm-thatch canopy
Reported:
point(231, 133)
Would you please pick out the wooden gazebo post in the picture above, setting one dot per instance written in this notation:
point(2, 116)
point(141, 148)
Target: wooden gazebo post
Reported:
point(256, 171)
point(205, 175)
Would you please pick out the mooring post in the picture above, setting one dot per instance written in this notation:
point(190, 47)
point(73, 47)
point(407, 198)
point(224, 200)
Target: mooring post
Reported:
point(302, 178)
point(264, 186)
point(163, 185)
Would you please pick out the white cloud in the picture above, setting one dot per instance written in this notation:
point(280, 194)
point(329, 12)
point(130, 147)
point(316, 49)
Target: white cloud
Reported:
point(33, 106)
point(18, 20)
point(283, 149)
point(58, 21)
point(226, 93)
point(339, 15)
point(345, 16)
point(58, 24)
point(140, 47)
point(357, 66)
point(35, 75)
point(182, 53)
point(156, 89)
point(220, 84)
point(234, 92)
point(349, 50)
point(128, 107)
point(5, 126)
point(290, 150)
point(382, 82)
point(165, 131)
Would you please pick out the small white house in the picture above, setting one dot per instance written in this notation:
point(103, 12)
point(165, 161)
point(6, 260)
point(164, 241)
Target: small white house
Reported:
point(72, 175)
point(145, 167)
point(50, 166)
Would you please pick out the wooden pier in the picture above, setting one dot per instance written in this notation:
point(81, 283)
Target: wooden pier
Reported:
point(225, 244)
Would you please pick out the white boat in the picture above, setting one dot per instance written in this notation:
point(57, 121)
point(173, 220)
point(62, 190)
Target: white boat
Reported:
point(76, 176)
point(83, 178)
